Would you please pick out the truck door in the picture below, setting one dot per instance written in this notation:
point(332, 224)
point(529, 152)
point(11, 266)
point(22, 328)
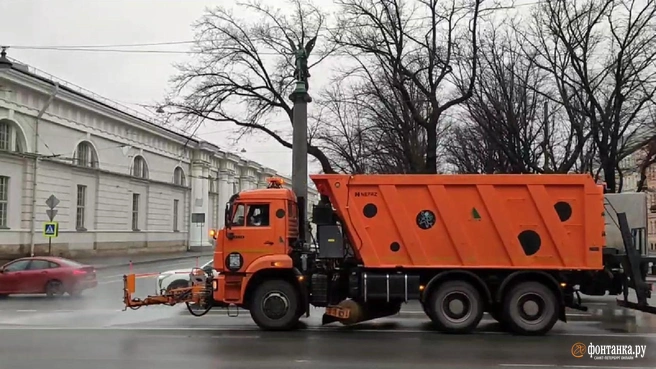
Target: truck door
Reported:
point(252, 234)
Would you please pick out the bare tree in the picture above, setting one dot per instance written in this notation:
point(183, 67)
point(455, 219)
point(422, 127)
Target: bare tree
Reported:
point(600, 54)
point(245, 69)
point(418, 46)
point(366, 127)
point(509, 125)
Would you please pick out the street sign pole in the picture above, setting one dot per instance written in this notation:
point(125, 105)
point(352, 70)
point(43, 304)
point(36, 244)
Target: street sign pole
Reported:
point(51, 212)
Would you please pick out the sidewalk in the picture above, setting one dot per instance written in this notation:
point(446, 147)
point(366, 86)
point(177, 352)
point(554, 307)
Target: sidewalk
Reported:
point(120, 261)
point(106, 262)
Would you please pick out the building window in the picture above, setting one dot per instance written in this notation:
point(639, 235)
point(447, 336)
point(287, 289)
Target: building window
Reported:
point(4, 199)
point(139, 167)
point(85, 155)
point(178, 176)
point(10, 137)
point(81, 204)
point(175, 215)
point(5, 139)
point(135, 211)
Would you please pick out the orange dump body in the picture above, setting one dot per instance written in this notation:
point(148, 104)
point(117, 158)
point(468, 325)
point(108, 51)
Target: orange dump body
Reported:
point(470, 221)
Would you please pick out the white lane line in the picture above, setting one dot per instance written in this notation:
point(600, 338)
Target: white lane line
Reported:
point(168, 265)
point(571, 366)
point(607, 367)
point(309, 329)
point(104, 282)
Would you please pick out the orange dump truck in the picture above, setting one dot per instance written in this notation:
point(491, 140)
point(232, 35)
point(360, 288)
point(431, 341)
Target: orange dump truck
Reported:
point(520, 247)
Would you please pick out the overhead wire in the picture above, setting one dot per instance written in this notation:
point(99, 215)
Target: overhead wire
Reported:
point(115, 47)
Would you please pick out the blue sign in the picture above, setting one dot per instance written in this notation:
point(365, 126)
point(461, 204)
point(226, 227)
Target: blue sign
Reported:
point(51, 229)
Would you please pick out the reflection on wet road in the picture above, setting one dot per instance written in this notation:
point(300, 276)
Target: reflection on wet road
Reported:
point(93, 331)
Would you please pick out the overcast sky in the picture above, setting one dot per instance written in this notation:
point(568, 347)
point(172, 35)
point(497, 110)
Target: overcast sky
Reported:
point(135, 78)
point(127, 78)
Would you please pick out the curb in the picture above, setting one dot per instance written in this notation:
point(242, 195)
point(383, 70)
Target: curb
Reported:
point(149, 261)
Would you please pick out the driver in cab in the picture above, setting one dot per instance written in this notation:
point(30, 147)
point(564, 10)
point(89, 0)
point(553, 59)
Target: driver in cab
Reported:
point(258, 216)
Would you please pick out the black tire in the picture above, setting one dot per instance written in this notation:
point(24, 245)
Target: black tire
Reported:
point(280, 297)
point(448, 320)
point(521, 321)
point(177, 284)
point(54, 288)
point(424, 306)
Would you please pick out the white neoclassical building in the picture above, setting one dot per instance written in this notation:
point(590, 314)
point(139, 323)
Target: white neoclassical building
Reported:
point(124, 184)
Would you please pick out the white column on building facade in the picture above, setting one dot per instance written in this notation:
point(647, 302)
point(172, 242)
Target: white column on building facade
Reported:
point(226, 190)
point(199, 232)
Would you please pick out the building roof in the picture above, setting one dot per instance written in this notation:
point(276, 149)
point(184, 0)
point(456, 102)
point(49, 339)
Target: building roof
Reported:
point(35, 73)
point(40, 75)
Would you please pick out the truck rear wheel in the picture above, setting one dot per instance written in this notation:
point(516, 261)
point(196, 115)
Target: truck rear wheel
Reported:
point(530, 308)
point(275, 306)
point(456, 307)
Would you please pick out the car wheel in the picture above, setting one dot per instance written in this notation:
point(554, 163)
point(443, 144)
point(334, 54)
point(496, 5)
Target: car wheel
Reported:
point(54, 288)
point(177, 284)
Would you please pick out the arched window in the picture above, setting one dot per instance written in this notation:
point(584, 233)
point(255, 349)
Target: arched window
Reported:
point(85, 155)
point(179, 176)
point(139, 167)
point(11, 138)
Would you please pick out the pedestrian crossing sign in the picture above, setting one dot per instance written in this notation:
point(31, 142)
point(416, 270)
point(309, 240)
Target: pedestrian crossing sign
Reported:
point(51, 229)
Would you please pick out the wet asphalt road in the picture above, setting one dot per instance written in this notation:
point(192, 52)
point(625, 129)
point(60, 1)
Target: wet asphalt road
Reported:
point(93, 332)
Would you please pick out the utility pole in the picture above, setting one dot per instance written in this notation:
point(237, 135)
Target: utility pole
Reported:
point(301, 98)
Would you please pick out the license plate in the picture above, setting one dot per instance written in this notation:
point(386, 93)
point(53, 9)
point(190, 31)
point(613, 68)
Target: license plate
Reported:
point(338, 312)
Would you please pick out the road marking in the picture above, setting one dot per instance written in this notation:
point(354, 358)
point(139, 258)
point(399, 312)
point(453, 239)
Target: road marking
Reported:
point(144, 276)
point(571, 366)
point(310, 329)
point(168, 265)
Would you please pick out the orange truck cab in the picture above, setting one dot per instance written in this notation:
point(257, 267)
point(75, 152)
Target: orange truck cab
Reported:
point(520, 247)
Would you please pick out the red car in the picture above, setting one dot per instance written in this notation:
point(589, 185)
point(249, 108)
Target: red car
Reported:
point(53, 276)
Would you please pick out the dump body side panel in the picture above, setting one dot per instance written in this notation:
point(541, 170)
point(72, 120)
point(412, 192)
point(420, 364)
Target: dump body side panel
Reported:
point(471, 221)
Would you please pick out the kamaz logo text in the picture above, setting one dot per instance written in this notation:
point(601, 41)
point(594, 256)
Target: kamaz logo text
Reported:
point(366, 194)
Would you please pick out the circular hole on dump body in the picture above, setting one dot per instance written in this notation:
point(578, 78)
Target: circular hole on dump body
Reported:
point(564, 210)
point(530, 241)
point(370, 210)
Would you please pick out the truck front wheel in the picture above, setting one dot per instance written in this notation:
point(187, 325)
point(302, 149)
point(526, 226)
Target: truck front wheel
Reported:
point(456, 307)
point(275, 306)
point(530, 308)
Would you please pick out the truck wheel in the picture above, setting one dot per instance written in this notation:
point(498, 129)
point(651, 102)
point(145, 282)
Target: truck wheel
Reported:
point(530, 308)
point(275, 306)
point(456, 307)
